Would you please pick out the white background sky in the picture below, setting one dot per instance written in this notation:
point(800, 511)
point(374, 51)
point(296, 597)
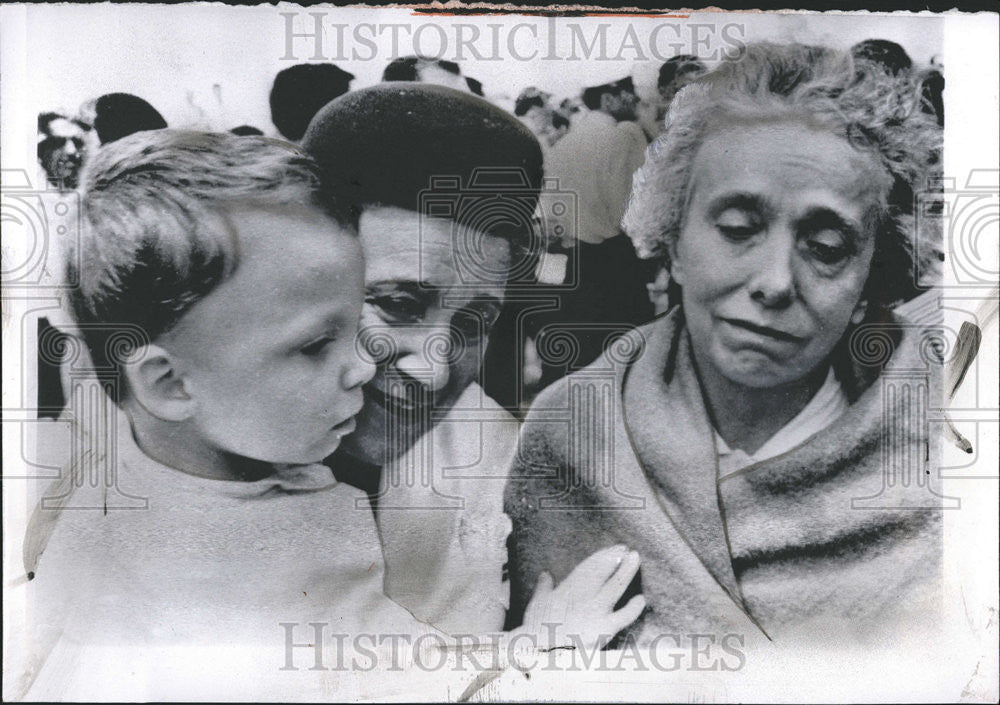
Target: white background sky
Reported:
point(176, 57)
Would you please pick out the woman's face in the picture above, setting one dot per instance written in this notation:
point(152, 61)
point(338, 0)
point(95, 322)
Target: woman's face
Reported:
point(775, 249)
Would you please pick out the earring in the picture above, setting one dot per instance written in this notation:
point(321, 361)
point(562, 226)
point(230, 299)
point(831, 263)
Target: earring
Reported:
point(674, 273)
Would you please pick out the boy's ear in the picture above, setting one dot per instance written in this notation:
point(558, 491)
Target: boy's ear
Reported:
point(155, 382)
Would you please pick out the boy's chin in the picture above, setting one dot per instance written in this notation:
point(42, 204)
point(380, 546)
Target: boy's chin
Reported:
point(309, 456)
point(317, 455)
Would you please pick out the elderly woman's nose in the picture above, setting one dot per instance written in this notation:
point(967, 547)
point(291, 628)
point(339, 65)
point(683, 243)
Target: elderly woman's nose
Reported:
point(773, 282)
point(432, 374)
point(421, 353)
point(359, 370)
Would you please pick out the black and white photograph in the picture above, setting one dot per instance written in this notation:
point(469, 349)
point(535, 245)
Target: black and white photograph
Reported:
point(471, 353)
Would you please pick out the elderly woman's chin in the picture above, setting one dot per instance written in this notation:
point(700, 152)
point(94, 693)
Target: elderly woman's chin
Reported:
point(755, 369)
point(750, 359)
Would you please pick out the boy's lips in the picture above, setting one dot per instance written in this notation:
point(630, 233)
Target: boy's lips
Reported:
point(345, 427)
point(349, 424)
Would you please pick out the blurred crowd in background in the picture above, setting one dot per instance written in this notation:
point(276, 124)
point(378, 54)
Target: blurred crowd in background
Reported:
point(592, 144)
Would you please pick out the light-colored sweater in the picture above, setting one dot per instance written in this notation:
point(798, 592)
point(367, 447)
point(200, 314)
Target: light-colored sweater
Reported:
point(186, 597)
point(838, 538)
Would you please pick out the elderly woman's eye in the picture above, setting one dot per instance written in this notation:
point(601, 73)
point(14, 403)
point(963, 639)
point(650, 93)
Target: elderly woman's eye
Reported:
point(398, 307)
point(475, 319)
point(737, 224)
point(828, 247)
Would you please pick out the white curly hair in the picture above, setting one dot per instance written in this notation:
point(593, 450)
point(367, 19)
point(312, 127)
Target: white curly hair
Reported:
point(877, 112)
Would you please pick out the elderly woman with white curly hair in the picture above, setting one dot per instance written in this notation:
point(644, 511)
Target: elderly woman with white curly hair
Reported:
point(770, 469)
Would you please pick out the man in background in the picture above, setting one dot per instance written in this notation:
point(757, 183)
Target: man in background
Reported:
point(62, 146)
point(602, 291)
point(438, 71)
point(534, 108)
point(675, 73)
point(597, 157)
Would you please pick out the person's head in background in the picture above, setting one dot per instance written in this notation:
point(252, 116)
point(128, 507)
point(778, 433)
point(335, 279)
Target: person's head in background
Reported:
point(675, 73)
point(62, 148)
point(569, 108)
point(437, 71)
point(219, 297)
point(247, 131)
point(932, 89)
point(118, 115)
point(617, 99)
point(560, 126)
point(534, 109)
point(439, 254)
point(300, 91)
point(889, 55)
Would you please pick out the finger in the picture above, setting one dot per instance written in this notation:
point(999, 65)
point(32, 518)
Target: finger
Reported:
point(606, 559)
point(592, 572)
point(628, 614)
point(544, 584)
point(619, 581)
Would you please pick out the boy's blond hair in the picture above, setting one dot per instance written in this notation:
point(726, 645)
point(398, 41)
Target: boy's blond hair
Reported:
point(156, 237)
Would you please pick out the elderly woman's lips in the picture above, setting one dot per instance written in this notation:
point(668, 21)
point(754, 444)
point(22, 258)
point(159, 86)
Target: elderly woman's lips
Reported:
point(762, 330)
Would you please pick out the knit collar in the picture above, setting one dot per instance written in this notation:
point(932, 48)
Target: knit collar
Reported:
point(284, 479)
point(110, 448)
point(672, 436)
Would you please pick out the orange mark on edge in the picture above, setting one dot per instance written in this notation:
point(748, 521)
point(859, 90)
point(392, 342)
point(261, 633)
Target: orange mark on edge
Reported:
point(417, 13)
